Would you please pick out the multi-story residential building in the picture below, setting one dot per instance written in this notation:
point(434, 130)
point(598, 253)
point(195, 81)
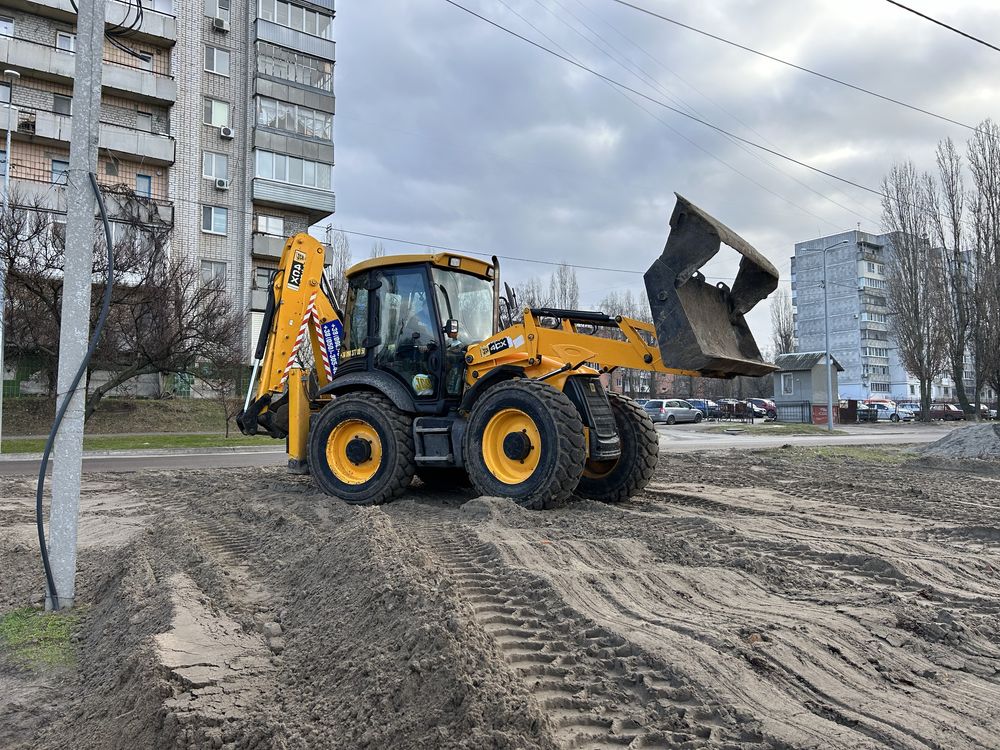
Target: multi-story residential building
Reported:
point(860, 331)
point(223, 117)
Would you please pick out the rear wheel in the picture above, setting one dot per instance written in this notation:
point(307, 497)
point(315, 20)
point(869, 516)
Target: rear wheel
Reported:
point(361, 449)
point(525, 442)
point(671, 419)
point(618, 480)
point(894, 418)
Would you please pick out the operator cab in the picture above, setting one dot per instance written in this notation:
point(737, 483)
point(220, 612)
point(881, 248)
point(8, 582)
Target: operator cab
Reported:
point(414, 316)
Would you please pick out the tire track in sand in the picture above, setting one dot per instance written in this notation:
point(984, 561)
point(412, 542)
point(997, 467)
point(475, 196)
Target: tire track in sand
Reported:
point(598, 688)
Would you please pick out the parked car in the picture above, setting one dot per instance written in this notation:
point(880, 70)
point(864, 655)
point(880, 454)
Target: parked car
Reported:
point(769, 407)
point(910, 406)
point(993, 413)
point(947, 412)
point(672, 410)
point(641, 401)
point(890, 413)
point(708, 408)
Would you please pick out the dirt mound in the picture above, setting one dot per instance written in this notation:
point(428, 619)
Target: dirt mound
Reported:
point(974, 441)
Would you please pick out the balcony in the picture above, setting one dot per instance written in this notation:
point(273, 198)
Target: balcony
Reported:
point(268, 31)
point(317, 203)
point(43, 125)
point(267, 246)
point(126, 80)
point(158, 25)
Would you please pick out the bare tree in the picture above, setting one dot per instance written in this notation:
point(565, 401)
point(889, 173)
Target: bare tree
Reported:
point(946, 204)
point(378, 249)
point(564, 289)
point(165, 316)
point(629, 305)
point(531, 294)
point(984, 164)
point(340, 249)
point(915, 276)
point(222, 372)
point(782, 322)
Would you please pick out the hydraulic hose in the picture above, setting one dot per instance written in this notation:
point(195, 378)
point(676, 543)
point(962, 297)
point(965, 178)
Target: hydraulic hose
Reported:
point(94, 339)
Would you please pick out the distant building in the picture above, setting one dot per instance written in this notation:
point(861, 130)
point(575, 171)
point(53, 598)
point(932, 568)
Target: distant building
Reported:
point(860, 338)
point(223, 116)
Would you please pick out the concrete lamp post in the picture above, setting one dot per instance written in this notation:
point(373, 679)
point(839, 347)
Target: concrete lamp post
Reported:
point(826, 330)
point(10, 76)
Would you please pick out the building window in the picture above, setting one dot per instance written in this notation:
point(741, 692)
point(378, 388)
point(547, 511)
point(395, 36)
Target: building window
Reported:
point(65, 41)
point(3, 160)
point(214, 219)
point(291, 169)
point(217, 9)
point(271, 225)
point(296, 17)
point(62, 105)
point(262, 277)
point(6, 26)
point(294, 119)
point(144, 185)
point(111, 169)
point(913, 390)
point(4, 93)
point(216, 112)
point(787, 384)
point(216, 60)
point(144, 121)
point(214, 166)
point(213, 273)
point(279, 62)
point(880, 387)
point(59, 170)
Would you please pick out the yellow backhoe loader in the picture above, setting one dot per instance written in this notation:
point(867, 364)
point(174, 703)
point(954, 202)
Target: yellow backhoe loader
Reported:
point(428, 369)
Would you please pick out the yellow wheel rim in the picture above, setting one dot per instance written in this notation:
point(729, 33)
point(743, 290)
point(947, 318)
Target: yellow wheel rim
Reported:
point(516, 461)
point(349, 459)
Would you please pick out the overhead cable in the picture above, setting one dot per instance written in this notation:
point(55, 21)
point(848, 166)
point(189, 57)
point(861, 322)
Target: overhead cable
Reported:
point(942, 23)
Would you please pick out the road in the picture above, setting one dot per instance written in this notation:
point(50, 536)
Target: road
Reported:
point(673, 439)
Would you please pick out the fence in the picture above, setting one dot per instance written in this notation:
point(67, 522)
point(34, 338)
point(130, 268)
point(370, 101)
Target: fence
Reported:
point(795, 412)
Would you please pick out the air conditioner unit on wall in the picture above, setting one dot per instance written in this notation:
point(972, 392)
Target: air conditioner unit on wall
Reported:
point(226, 132)
point(221, 184)
point(220, 24)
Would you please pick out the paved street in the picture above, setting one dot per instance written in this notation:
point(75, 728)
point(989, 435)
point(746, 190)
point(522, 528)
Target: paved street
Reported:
point(673, 439)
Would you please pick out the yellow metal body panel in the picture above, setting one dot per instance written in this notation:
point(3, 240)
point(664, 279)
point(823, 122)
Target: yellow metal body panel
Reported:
point(443, 260)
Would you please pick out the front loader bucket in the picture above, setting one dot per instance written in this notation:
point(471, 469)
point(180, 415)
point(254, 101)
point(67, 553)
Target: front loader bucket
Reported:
point(700, 326)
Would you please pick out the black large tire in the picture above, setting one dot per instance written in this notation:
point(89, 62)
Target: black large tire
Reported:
point(615, 482)
point(549, 471)
point(359, 418)
point(443, 478)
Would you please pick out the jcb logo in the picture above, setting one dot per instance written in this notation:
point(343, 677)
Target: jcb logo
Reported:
point(298, 268)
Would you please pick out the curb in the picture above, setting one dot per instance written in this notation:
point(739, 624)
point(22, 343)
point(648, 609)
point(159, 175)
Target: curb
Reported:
point(152, 452)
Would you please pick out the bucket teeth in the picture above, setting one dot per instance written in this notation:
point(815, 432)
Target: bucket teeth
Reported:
point(701, 326)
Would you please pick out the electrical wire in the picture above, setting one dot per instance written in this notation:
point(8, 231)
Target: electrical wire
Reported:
point(68, 395)
point(801, 68)
point(666, 106)
point(942, 23)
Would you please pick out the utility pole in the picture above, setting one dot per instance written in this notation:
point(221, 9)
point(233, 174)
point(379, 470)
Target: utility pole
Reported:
point(10, 75)
point(74, 333)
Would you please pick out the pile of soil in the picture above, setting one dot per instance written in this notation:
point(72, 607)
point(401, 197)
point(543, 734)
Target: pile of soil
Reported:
point(974, 441)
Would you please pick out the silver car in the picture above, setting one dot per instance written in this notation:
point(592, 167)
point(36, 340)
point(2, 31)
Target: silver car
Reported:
point(672, 410)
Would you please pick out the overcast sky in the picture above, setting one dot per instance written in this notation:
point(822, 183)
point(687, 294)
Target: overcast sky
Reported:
point(449, 131)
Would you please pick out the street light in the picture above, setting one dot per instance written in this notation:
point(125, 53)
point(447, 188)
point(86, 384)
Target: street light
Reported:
point(10, 76)
point(826, 325)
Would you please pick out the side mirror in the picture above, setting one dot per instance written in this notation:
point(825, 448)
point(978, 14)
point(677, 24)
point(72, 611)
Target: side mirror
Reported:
point(451, 328)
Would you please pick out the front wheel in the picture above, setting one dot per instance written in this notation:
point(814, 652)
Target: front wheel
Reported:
point(617, 480)
point(894, 418)
point(361, 449)
point(525, 441)
point(697, 417)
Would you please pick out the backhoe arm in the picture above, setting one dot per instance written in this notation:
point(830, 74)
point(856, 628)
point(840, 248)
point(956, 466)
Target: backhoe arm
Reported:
point(299, 308)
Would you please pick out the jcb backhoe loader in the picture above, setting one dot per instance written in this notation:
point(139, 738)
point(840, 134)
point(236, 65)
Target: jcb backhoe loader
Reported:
point(428, 369)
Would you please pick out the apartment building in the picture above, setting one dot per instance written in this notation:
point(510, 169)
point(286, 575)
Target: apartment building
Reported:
point(860, 337)
point(221, 113)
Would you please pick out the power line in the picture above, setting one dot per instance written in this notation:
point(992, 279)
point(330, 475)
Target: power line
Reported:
point(942, 23)
point(666, 106)
point(731, 43)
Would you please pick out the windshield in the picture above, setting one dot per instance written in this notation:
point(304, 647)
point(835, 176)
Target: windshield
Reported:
point(467, 299)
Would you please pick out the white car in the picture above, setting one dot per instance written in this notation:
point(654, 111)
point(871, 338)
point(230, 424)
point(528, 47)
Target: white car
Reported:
point(890, 413)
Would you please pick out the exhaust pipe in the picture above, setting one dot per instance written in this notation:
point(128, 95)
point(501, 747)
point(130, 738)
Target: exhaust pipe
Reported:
point(701, 326)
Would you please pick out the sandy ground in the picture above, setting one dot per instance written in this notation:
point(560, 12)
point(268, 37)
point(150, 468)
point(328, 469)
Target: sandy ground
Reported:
point(775, 599)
